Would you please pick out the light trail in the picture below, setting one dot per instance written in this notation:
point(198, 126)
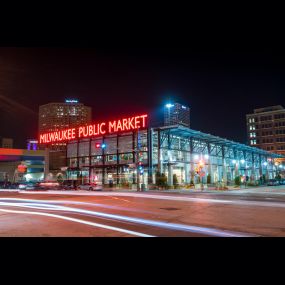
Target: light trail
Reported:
point(165, 225)
point(175, 198)
point(79, 203)
point(78, 221)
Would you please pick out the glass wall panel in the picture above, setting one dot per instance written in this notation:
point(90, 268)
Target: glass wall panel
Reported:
point(97, 160)
point(72, 150)
point(126, 158)
point(83, 148)
point(95, 150)
point(111, 145)
point(110, 159)
point(125, 144)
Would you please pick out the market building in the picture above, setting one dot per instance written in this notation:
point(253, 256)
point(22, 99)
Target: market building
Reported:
point(129, 152)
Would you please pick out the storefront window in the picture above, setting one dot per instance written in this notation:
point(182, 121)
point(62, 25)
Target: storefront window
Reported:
point(97, 160)
point(111, 159)
point(72, 150)
point(73, 162)
point(111, 145)
point(126, 158)
point(83, 148)
point(96, 150)
point(83, 161)
point(125, 144)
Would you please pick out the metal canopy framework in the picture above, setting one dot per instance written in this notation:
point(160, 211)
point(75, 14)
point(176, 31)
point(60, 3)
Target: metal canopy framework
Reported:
point(210, 143)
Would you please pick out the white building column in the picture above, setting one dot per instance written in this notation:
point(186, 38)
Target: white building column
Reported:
point(187, 173)
point(210, 169)
point(225, 177)
point(170, 174)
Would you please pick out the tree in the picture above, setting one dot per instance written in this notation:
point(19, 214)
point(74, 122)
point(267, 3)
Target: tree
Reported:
point(59, 178)
point(278, 177)
point(208, 178)
point(160, 179)
point(237, 181)
point(175, 179)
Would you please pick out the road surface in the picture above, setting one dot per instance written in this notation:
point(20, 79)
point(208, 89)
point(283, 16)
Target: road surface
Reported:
point(240, 213)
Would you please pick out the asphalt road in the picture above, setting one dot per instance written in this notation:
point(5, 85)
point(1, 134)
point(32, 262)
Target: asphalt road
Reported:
point(240, 213)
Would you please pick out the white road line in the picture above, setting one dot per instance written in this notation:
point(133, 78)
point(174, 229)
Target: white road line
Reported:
point(78, 221)
point(79, 203)
point(175, 198)
point(170, 226)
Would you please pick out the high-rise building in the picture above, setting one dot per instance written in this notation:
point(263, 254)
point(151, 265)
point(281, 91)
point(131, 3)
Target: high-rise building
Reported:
point(6, 143)
point(266, 129)
point(58, 116)
point(176, 114)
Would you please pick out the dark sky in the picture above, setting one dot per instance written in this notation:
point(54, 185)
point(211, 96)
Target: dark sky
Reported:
point(220, 85)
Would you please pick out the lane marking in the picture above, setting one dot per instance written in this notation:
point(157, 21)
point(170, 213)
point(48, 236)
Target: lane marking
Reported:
point(80, 203)
point(171, 226)
point(175, 198)
point(78, 221)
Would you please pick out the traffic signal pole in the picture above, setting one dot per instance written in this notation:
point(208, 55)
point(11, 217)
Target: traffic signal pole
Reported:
point(137, 162)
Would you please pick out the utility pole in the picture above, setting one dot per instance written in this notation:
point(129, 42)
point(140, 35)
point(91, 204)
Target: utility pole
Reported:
point(137, 160)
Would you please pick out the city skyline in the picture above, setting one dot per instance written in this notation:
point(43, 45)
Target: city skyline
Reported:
point(107, 80)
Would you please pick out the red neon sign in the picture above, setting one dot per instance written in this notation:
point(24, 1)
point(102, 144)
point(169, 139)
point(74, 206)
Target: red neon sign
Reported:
point(110, 127)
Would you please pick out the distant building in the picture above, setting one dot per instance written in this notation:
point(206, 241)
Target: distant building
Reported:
point(18, 165)
point(176, 114)
point(266, 129)
point(58, 116)
point(6, 143)
point(33, 144)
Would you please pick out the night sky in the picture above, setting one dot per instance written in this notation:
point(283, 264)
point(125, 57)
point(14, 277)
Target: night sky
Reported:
point(220, 86)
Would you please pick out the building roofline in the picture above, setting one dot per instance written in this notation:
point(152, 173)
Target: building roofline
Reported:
point(217, 140)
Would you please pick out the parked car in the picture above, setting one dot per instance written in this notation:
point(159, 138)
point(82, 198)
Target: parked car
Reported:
point(48, 185)
point(273, 182)
point(68, 185)
point(5, 185)
point(14, 186)
point(282, 182)
point(27, 186)
point(90, 187)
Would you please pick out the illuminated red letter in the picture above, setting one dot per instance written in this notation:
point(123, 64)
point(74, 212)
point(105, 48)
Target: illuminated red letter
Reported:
point(112, 127)
point(73, 134)
point(137, 122)
point(131, 126)
point(125, 124)
point(42, 138)
point(119, 126)
point(144, 120)
point(102, 132)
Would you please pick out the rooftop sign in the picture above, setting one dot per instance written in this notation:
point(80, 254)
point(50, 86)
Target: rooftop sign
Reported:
point(71, 101)
point(97, 129)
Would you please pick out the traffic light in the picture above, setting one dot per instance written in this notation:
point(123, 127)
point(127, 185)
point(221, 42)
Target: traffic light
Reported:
point(98, 145)
point(140, 168)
